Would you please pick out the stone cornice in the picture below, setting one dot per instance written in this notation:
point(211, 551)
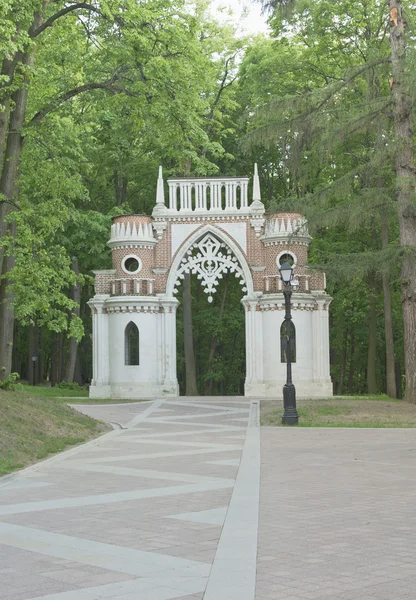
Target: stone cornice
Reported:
point(124, 245)
point(289, 240)
point(178, 217)
point(140, 304)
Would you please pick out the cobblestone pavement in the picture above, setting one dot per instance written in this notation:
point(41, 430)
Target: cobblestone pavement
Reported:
point(337, 514)
point(169, 506)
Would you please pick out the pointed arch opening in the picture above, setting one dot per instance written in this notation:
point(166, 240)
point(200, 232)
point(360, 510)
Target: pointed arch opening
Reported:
point(223, 238)
point(287, 341)
point(131, 345)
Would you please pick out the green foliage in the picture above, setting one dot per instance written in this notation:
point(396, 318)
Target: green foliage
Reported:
point(165, 84)
point(69, 385)
point(225, 332)
point(9, 382)
point(318, 111)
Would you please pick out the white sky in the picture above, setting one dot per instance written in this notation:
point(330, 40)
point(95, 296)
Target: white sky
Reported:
point(247, 13)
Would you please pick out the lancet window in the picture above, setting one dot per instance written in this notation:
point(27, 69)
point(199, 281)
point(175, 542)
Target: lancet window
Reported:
point(287, 340)
point(132, 345)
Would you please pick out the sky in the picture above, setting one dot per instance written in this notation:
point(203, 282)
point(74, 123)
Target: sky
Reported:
point(253, 22)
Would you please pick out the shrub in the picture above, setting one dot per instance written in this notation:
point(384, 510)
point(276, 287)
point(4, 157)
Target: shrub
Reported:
point(9, 382)
point(69, 385)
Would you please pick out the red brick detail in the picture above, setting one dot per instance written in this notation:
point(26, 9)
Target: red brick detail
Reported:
point(132, 219)
point(102, 283)
point(146, 255)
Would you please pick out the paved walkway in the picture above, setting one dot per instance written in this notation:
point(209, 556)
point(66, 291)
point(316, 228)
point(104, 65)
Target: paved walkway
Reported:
point(168, 506)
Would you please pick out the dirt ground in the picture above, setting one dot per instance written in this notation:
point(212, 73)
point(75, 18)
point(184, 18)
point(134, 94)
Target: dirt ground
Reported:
point(344, 412)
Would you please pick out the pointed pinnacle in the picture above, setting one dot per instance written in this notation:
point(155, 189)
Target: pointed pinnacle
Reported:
point(256, 185)
point(160, 194)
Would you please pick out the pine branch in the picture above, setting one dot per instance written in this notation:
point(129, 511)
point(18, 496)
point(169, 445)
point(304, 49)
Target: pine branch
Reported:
point(265, 132)
point(358, 265)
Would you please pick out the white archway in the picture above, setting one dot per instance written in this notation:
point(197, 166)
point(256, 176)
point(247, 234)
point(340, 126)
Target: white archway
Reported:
point(253, 329)
point(198, 235)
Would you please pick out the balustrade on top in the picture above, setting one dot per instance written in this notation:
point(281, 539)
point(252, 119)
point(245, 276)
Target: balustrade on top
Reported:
point(273, 283)
point(129, 286)
point(228, 194)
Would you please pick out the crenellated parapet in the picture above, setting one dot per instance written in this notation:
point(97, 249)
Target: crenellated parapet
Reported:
point(132, 231)
point(286, 228)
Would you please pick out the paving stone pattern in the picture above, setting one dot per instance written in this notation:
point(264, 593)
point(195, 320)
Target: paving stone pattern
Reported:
point(337, 514)
point(135, 515)
point(170, 505)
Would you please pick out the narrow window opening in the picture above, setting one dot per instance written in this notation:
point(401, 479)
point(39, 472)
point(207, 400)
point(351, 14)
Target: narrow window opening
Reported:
point(287, 334)
point(131, 344)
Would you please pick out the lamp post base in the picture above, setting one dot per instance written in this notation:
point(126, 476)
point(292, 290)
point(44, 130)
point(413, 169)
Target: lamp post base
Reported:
point(290, 416)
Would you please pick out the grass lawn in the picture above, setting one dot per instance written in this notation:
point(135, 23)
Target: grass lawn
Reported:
point(33, 427)
point(52, 392)
point(65, 395)
point(349, 411)
point(102, 400)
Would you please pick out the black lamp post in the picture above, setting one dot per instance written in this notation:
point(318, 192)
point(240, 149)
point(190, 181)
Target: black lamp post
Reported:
point(290, 416)
point(34, 359)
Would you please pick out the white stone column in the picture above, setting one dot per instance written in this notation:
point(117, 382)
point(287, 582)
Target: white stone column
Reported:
point(254, 347)
point(170, 380)
point(249, 341)
point(160, 347)
point(320, 335)
point(324, 312)
point(100, 384)
point(94, 346)
point(103, 362)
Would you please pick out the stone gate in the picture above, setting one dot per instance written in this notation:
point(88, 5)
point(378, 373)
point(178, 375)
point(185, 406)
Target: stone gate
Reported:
point(209, 227)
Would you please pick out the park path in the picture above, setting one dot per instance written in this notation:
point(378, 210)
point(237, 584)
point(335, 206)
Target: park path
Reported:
point(168, 506)
point(138, 514)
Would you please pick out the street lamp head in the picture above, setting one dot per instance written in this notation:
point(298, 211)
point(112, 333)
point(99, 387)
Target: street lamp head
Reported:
point(34, 357)
point(286, 272)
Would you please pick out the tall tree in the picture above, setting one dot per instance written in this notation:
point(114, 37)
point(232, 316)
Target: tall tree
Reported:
point(111, 89)
point(405, 188)
point(337, 135)
point(191, 388)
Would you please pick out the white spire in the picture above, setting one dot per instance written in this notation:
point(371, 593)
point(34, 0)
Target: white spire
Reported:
point(256, 185)
point(160, 194)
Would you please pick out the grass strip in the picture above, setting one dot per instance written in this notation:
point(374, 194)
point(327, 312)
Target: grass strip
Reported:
point(354, 411)
point(33, 428)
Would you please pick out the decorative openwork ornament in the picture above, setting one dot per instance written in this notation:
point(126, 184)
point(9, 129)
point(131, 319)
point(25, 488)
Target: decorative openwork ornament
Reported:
point(209, 259)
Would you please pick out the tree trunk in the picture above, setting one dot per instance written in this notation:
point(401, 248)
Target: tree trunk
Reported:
point(214, 339)
point(398, 371)
point(388, 318)
point(340, 387)
point(191, 388)
point(73, 344)
point(7, 71)
point(33, 366)
point(6, 318)
point(4, 125)
point(372, 339)
point(8, 187)
point(41, 359)
point(54, 376)
point(351, 370)
point(12, 151)
point(405, 190)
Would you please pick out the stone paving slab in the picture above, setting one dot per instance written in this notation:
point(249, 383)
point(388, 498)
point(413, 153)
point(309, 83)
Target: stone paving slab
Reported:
point(135, 515)
point(171, 506)
point(337, 514)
